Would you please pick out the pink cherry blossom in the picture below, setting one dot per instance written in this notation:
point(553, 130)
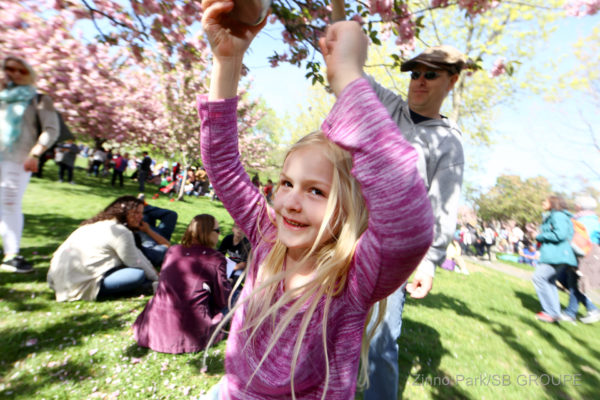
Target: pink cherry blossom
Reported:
point(580, 8)
point(499, 67)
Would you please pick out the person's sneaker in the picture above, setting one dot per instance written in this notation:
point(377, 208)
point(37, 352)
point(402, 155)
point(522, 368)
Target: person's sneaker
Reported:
point(542, 316)
point(564, 317)
point(17, 264)
point(591, 317)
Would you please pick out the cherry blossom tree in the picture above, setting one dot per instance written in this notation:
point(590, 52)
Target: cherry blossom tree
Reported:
point(143, 94)
point(87, 81)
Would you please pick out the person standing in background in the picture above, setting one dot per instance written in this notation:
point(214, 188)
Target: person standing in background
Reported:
point(144, 171)
point(120, 165)
point(20, 150)
point(66, 153)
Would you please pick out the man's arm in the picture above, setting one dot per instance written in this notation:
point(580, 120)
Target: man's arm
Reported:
point(145, 227)
point(444, 195)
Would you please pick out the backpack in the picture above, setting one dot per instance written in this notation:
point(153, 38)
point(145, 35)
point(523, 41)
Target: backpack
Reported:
point(580, 242)
point(64, 133)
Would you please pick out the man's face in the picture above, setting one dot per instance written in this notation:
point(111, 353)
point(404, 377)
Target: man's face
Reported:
point(425, 96)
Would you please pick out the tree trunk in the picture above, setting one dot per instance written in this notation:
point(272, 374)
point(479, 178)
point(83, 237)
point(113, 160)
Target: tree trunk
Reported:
point(183, 177)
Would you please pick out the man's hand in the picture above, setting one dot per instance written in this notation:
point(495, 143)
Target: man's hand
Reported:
point(420, 286)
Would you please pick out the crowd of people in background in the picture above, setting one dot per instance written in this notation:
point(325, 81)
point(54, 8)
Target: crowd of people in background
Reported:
point(548, 248)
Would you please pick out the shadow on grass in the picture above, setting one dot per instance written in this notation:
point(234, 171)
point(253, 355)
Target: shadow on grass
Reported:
point(26, 386)
point(528, 301)
point(580, 365)
point(419, 362)
point(441, 300)
point(16, 344)
point(418, 341)
point(52, 227)
point(215, 362)
point(26, 300)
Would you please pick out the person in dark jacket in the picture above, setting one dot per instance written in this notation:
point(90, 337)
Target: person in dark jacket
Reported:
point(193, 289)
point(66, 153)
point(555, 255)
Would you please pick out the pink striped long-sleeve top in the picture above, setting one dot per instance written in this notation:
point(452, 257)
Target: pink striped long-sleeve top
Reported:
point(398, 235)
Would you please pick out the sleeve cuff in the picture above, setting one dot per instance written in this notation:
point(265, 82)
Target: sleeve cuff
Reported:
point(427, 267)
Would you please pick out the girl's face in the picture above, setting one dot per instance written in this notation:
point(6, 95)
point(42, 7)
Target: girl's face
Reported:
point(301, 200)
point(214, 235)
point(134, 216)
point(546, 205)
point(17, 73)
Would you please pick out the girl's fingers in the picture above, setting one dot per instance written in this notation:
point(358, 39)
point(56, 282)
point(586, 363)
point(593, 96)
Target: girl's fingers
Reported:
point(214, 9)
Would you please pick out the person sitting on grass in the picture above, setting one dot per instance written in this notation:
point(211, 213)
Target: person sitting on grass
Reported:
point(155, 242)
point(101, 259)
point(529, 254)
point(192, 290)
point(454, 255)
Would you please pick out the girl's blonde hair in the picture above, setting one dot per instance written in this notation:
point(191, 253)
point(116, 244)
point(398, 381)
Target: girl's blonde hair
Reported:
point(345, 220)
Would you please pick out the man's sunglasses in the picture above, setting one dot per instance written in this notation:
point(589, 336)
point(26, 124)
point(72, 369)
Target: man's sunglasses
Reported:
point(12, 70)
point(429, 75)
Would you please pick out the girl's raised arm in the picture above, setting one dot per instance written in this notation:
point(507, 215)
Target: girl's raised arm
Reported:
point(229, 39)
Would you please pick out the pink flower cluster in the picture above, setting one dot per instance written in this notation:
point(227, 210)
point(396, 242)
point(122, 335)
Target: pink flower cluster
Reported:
point(405, 27)
point(385, 8)
point(498, 68)
point(439, 3)
point(581, 8)
point(474, 7)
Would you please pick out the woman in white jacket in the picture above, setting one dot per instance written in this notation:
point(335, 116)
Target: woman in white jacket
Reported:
point(101, 259)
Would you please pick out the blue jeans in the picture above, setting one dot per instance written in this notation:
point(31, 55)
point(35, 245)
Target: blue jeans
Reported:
point(154, 252)
point(121, 281)
point(544, 278)
point(567, 276)
point(167, 219)
point(383, 349)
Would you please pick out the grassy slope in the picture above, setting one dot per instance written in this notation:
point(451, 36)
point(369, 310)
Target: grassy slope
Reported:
point(468, 328)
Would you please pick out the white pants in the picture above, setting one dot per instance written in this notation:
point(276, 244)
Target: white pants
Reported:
point(13, 182)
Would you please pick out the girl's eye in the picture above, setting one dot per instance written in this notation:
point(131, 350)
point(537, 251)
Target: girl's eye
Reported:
point(286, 183)
point(317, 192)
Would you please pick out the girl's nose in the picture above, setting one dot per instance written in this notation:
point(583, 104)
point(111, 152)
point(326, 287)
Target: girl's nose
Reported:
point(292, 201)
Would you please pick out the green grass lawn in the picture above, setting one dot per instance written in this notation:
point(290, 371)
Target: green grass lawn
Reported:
point(473, 337)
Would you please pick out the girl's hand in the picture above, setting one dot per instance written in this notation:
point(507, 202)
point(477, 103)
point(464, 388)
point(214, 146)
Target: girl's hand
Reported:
point(228, 38)
point(344, 49)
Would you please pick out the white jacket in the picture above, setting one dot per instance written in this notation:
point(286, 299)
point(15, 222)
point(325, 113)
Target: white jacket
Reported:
point(79, 264)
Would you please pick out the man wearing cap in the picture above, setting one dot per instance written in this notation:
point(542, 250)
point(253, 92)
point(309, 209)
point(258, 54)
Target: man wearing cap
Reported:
point(437, 140)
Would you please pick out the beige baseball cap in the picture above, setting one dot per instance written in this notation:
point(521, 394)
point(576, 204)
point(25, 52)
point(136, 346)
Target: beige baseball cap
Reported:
point(441, 57)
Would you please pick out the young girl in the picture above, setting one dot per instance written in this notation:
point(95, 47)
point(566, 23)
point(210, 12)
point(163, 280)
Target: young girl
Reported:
point(349, 223)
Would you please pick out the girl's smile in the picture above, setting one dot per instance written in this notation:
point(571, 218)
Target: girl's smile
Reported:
point(301, 199)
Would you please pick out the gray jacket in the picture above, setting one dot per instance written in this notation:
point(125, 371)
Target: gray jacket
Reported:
point(441, 163)
point(29, 135)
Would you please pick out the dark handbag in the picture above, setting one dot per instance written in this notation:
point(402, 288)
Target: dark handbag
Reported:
point(64, 133)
